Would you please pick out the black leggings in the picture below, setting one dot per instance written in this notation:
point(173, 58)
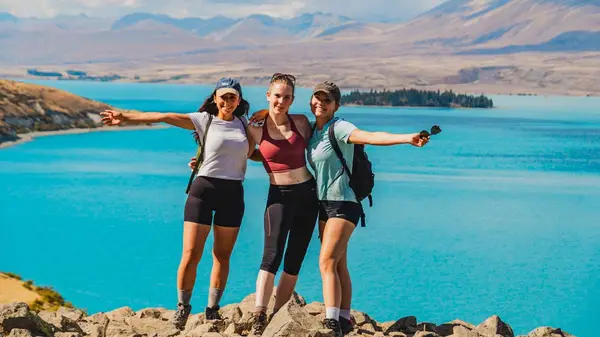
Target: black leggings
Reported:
point(290, 216)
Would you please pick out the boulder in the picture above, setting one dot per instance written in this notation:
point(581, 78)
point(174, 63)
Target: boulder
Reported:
point(494, 326)
point(293, 320)
point(232, 312)
point(20, 333)
point(447, 329)
point(120, 314)
point(546, 331)
point(315, 308)
point(405, 324)
point(18, 316)
point(152, 327)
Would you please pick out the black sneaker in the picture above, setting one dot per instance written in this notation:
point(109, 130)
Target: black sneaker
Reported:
point(212, 313)
point(346, 325)
point(181, 315)
point(334, 325)
point(259, 324)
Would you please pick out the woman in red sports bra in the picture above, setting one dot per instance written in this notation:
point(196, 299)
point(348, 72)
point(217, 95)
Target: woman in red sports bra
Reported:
point(292, 204)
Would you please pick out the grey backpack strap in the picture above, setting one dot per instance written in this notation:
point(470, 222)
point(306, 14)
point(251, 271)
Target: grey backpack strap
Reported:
point(199, 154)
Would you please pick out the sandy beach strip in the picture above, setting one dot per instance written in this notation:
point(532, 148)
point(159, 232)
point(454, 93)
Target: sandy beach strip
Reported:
point(26, 137)
point(12, 290)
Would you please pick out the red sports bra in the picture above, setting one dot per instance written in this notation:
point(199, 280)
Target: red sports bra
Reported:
point(280, 155)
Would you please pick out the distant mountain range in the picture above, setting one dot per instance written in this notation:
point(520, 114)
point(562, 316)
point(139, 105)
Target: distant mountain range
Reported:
point(461, 26)
point(470, 30)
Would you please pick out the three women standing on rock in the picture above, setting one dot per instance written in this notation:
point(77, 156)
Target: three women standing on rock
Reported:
point(295, 197)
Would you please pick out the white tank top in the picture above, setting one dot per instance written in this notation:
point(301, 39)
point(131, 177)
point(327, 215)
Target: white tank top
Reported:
point(226, 148)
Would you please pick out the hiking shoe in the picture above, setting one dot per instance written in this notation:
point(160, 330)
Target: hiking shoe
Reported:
point(334, 325)
point(346, 325)
point(259, 324)
point(212, 313)
point(181, 315)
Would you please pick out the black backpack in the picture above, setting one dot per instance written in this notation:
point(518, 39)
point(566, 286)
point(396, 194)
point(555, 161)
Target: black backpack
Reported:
point(362, 178)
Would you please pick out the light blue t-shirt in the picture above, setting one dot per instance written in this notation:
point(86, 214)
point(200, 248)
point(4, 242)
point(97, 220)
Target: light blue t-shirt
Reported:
point(332, 182)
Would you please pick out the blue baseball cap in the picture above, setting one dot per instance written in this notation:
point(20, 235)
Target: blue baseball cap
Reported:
point(227, 85)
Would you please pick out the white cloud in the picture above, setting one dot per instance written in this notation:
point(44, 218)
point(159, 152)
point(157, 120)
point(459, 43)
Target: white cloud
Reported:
point(380, 10)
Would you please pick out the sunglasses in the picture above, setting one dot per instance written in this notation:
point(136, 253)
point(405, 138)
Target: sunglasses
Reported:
point(288, 77)
point(434, 131)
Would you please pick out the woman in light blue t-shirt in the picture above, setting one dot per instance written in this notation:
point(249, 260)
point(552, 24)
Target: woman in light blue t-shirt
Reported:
point(339, 209)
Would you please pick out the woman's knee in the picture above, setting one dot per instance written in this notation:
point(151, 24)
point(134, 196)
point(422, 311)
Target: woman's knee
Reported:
point(328, 264)
point(222, 255)
point(191, 256)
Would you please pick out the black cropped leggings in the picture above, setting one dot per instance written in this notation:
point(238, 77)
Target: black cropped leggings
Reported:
point(290, 216)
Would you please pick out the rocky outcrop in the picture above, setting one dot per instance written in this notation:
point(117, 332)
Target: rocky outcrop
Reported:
point(295, 318)
point(28, 107)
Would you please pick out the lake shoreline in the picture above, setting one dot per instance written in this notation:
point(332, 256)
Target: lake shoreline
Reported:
point(30, 136)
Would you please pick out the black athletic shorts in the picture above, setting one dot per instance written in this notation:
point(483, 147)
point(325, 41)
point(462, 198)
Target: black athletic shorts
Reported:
point(222, 196)
point(347, 210)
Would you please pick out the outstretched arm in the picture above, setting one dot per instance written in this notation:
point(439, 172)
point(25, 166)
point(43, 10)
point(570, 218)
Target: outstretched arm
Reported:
point(385, 139)
point(114, 118)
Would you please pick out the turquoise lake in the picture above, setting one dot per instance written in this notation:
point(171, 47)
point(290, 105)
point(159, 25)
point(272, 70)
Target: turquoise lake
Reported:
point(499, 214)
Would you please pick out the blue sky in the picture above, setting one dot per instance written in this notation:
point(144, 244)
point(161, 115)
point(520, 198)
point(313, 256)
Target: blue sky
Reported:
point(371, 10)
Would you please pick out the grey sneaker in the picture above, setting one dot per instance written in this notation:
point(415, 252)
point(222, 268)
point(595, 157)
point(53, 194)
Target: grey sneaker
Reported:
point(333, 325)
point(259, 324)
point(181, 315)
point(212, 313)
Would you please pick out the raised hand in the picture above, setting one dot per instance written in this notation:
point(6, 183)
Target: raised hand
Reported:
point(419, 140)
point(112, 118)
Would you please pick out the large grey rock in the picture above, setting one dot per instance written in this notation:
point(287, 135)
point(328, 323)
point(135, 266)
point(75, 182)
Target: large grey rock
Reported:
point(99, 318)
point(248, 304)
point(68, 334)
point(405, 324)
point(361, 318)
point(315, 308)
point(72, 314)
point(494, 326)
point(546, 331)
point(119, 329)
point(447, 329)
point(426, 334)
point(120, 314)
point(94, 325)
point(152, 327)
point(61, 323)
point(462, 331)
point(192, 322)
point(232, 312)
point(292, 320)
point(20, 333)
point(150, 313)
point(200, 330)
point(93, 329)
point(18, 316)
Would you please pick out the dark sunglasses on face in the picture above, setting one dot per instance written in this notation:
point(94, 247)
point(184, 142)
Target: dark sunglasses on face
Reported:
point(289, 77)
point(434, 131)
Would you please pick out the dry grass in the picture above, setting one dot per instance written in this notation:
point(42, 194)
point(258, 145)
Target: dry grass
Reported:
point(13, 290)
